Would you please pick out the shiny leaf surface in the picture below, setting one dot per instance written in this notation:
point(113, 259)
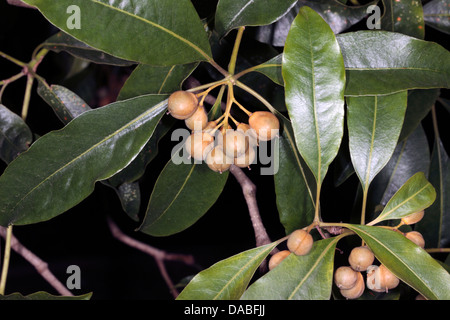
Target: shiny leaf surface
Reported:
point(314, 76)
point(374, 125)
point(307, 277)
point(182, 32)
point(227, 279)
point(415, 195)
point(60, 169)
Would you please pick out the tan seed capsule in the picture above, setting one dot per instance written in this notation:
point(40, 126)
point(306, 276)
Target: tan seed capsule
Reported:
point(199, 144)
point(198, 120)
point(357, 290)
point(360, 258)
point(300, 242)
point(276, 259)
point(246, 159)
point(217, 160)
point(345, 277)
point(265, 124)
point(416, 237)
point(182, 104)
point(413, 218)
point(235, 143)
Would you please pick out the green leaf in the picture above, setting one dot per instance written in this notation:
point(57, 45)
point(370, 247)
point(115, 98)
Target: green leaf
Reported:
point(130, 198)
point(227, 279)
point(435, 225)
point(41, 295)
point(403, 17)
point(61, 41)
point(374, 124)
point(419, 105)
point(339, 17)
point(381, 62)
point(415, 195)
point(411, 155)
point(437, 15)
point(231, 14)
point(308, 277)
point(314, 76)
point(407, 261)
point(182, 194)
point(60, 169)
point(141, 30)
point(272, 69)
point(147, 79)
point(15, 135)
point(294, 199)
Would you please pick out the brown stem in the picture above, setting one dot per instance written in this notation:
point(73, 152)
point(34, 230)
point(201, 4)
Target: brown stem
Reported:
point(159, 255)
point(40, 265)
point(249, 191)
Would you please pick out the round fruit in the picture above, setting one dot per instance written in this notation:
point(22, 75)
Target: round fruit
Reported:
point(249, 132)
point(300, 242)
point(217, 160)
point(276, 259)
point(235, 143)
point(182, 104)
point(198, 144)
point(265, 124)
point(357, 290)
point(380, 279)
point(360, 258)
point(413, 218)
point(416, 237)
point(345, 278)
point(246, 159)
point(198, 120)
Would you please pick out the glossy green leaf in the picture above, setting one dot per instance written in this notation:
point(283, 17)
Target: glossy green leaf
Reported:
point(337, 14)
point(435, 225)
point(437, 15)
point(147, 79)
point(411, 155)
point(381, 62)
point(294, 198)
point(314, 76)
point(41, 295)
point(403, 17)
point(374, 124)
point(419, 105)
point(15, 135)
point(65, 103)
point(130, 198)
point(407, 261)
point(272, 69)
point(180, 34)
point(415, 195)
point(227, 279)
point(171, 208)
point(231, 14)
point(61, 41)
point(308, 277)
point(60, 169)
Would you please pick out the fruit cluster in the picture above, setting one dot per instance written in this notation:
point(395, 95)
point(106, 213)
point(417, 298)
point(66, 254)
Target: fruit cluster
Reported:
point(215, 142)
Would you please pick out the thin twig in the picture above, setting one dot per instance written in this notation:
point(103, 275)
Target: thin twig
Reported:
point(249, 191)
point(159, 255)
point(40, 265)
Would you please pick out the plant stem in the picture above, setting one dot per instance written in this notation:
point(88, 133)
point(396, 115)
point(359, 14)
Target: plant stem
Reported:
point(6, 260)
point(256, 95)
point(26, 98)
point(363, 208)
point(13, 60)
point(237, 42)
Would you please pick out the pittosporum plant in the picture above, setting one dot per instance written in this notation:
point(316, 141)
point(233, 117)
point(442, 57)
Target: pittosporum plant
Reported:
point(334, 93)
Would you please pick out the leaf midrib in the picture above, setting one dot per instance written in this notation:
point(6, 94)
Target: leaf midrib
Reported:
point(155, 25)
point(108, 137)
